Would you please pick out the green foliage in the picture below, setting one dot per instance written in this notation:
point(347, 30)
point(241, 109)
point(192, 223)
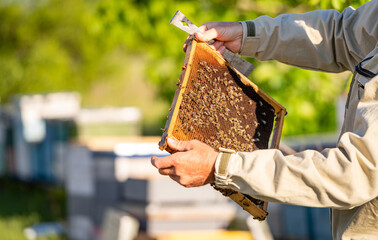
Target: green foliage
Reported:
point(65, 45)
point(309, 96)
point(47, 47)
point(336, 4)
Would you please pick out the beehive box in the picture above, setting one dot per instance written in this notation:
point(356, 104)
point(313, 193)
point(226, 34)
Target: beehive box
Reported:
point(216, 104)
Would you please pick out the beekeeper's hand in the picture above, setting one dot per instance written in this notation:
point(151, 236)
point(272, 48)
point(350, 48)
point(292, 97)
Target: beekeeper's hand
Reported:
point(192, 165)
point(227, 35)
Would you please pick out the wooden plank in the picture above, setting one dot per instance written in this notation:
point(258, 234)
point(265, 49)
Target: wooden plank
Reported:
point(173, 112)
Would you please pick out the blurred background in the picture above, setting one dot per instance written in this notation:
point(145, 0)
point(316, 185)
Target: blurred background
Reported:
point(85, 88)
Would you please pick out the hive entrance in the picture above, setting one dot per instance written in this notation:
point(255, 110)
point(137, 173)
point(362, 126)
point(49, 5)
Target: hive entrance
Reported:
point(217, 105)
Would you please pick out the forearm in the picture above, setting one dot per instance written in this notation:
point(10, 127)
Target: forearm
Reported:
point(341, 177)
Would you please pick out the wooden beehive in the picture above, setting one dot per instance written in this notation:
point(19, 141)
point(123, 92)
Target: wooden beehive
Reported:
point(216, 104)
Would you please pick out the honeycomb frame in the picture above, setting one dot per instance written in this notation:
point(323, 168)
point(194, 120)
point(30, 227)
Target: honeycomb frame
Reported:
point(218, 105)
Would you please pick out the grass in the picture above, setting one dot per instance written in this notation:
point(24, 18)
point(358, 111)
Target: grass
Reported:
point(25, 204)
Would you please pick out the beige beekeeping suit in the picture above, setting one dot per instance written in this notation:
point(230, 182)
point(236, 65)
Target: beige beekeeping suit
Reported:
point(344, 178)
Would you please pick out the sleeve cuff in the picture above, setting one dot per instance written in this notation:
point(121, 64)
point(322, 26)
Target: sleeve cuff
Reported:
point(222, 177)
point(250, 41)
point(244, 26)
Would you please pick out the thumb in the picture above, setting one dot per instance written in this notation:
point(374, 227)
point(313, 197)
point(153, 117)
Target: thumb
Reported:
point(179, 146)
point(207, 35)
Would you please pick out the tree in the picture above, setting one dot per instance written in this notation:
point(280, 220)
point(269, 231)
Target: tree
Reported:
point(70, 45)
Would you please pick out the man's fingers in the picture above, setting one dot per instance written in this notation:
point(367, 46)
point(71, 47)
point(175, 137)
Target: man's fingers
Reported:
point(222, 49)
point(167, 171)
point(164, 162)
point(207, 35)
point(203, 27)
point(216, 45)
point(186, 43)
point(180, 146)
point(175, 178)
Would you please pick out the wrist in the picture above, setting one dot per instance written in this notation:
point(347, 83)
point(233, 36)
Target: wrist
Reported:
point(213, 158)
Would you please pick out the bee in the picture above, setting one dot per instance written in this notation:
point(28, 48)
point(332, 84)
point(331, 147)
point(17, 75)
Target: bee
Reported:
point(203, 63)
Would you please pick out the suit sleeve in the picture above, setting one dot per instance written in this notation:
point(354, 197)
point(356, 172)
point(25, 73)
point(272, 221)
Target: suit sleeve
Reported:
point(342, 178)
point(324, 40)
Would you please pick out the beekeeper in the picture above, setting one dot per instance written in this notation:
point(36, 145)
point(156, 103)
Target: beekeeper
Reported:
point(344, 178)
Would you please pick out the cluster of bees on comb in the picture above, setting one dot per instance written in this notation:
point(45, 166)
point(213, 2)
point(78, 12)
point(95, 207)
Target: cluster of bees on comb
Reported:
point(215, 109)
